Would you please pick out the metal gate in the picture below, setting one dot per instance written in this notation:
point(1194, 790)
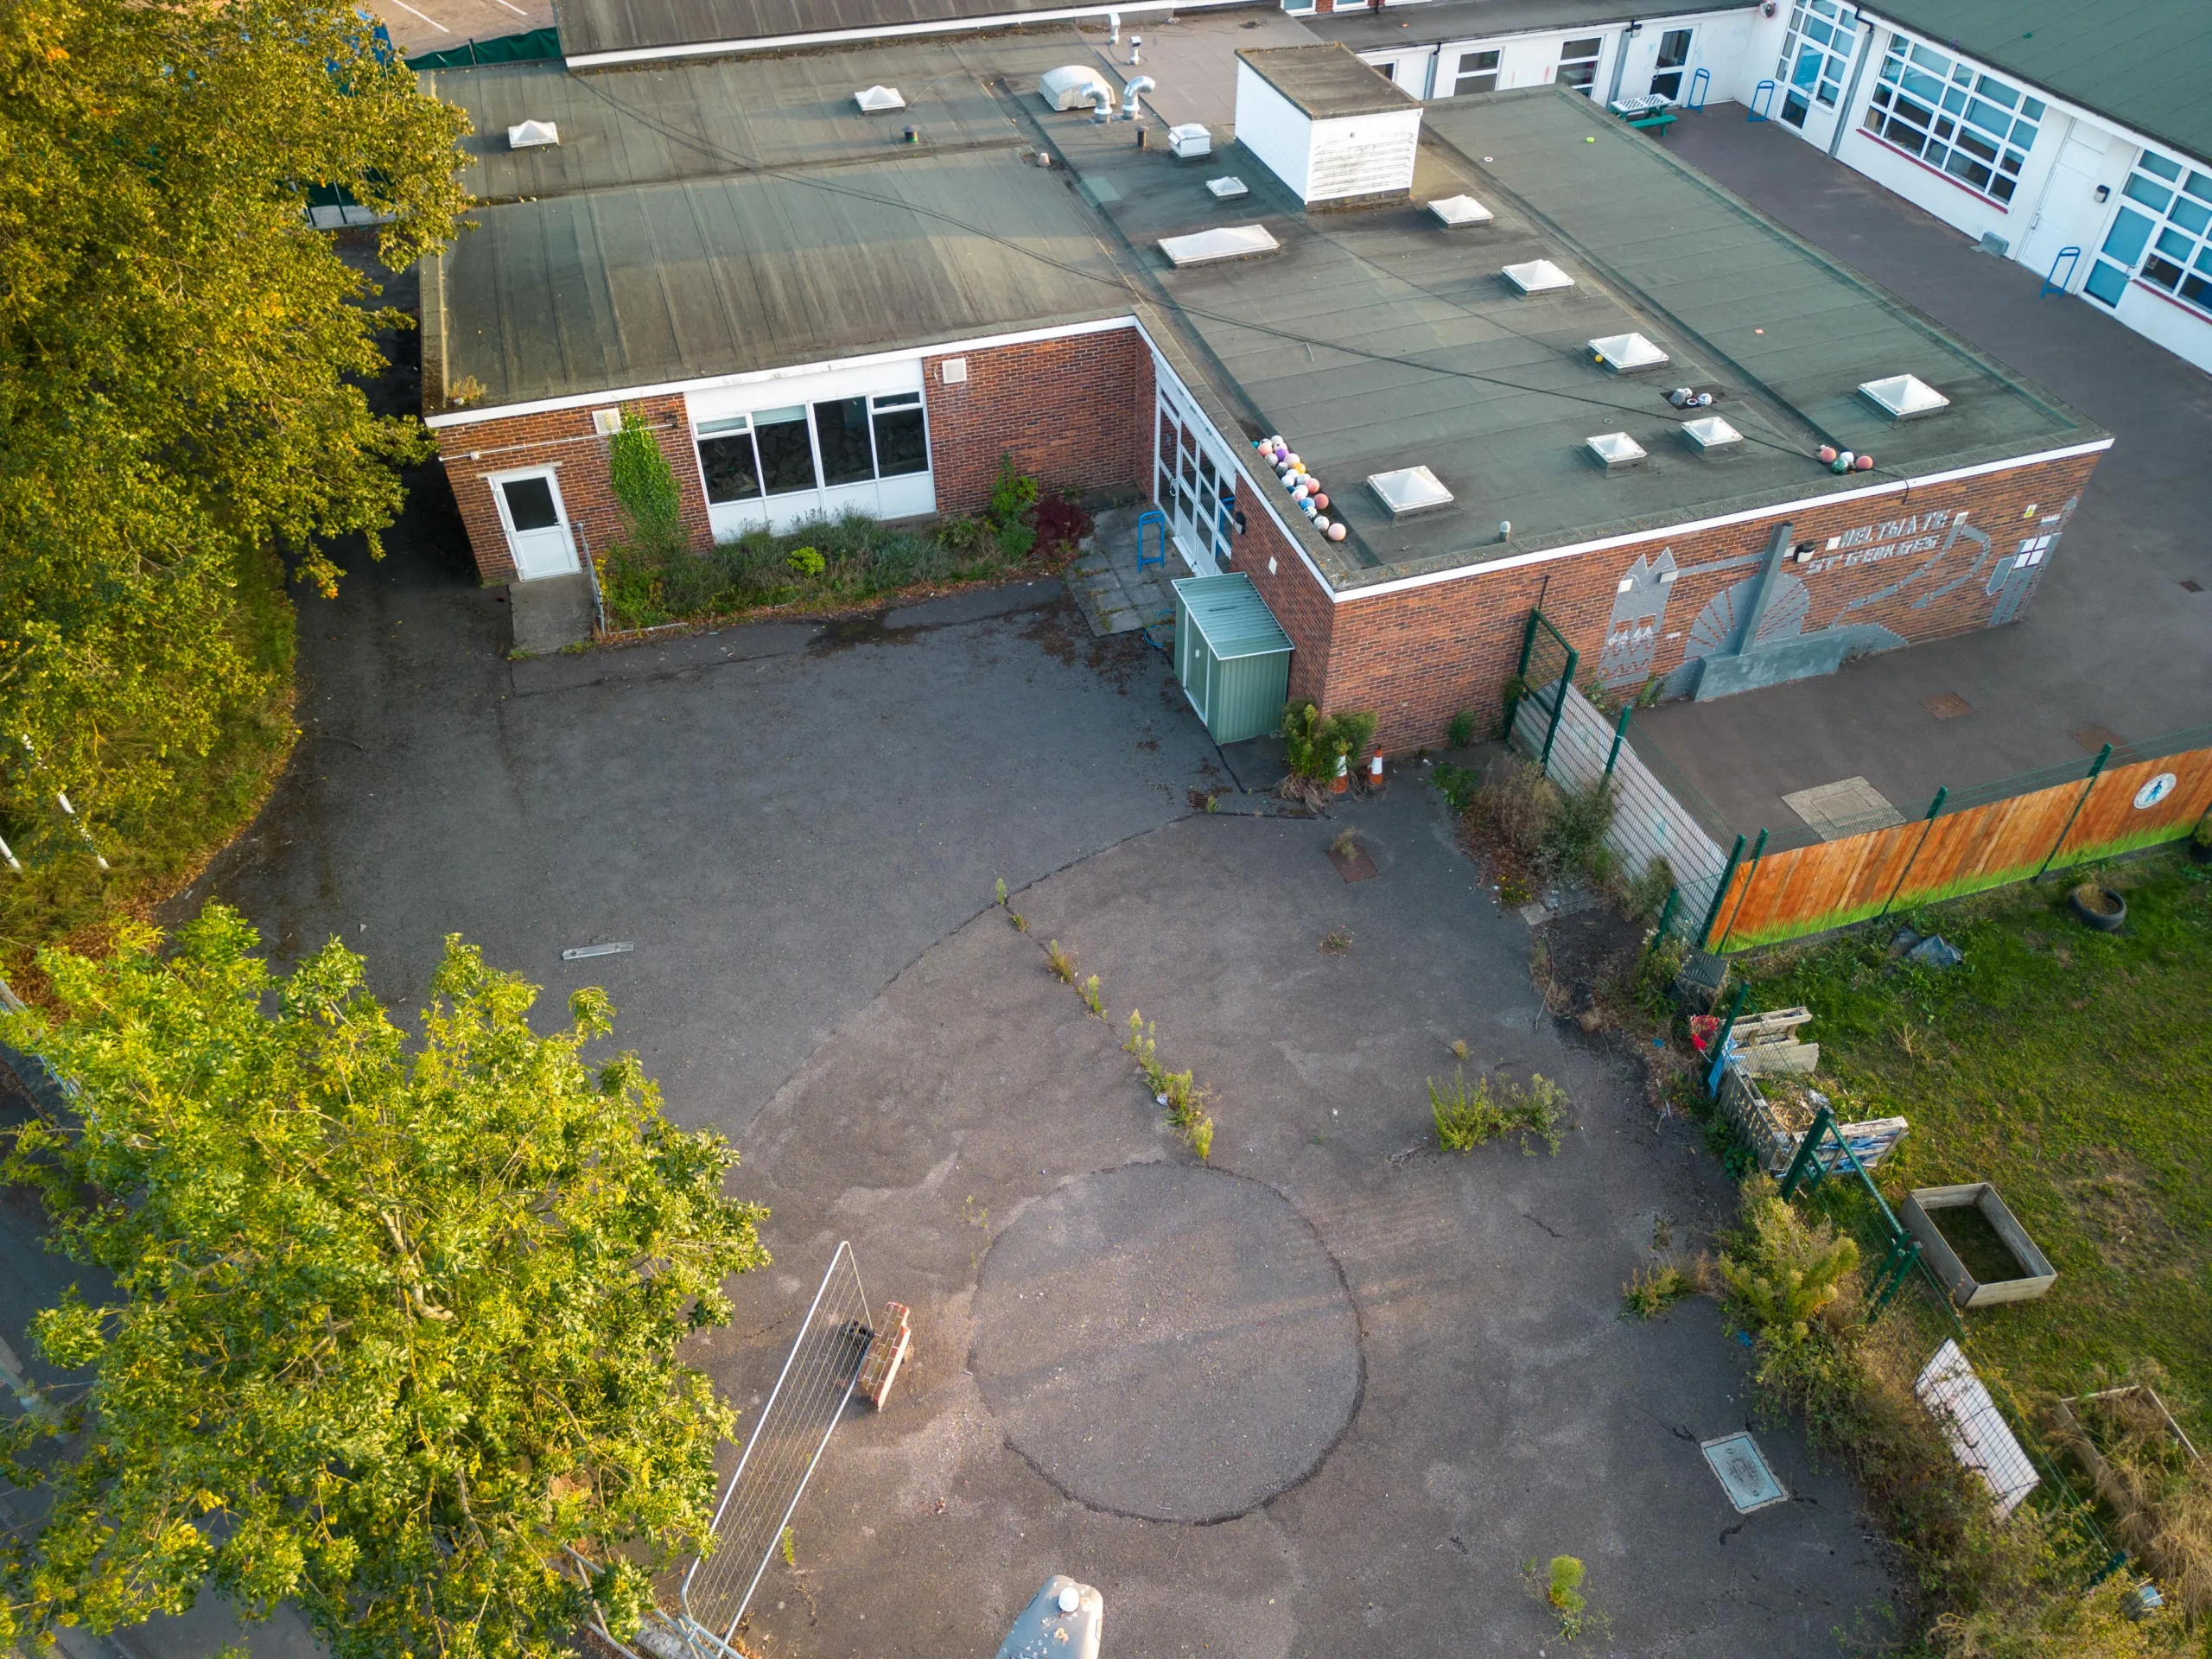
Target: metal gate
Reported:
point(803, 1411)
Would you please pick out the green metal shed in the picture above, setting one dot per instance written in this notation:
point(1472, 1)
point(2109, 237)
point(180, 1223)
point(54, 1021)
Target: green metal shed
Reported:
point(1231, 656)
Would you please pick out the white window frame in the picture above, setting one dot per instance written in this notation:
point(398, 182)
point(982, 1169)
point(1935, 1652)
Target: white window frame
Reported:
point(1954, 111)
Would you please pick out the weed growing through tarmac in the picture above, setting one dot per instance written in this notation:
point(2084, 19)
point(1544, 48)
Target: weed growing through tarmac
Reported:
point(1020, 922)
point(1186, 1101)
point(1091, 998)
point(1001, 898)
point(1468, 1115)
point(1459, 1049)
point(1561, 1583)
point(1650, 1292)
point(1060, 964)
point(1336, 941)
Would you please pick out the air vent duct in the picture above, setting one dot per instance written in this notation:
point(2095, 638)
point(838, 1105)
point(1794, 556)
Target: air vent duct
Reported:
point(1070, 87)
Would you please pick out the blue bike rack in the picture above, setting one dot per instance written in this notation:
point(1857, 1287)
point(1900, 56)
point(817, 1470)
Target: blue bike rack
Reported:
point(2053, 283)
point(1766, 87)
point(1159, 521)
point(1701, 84)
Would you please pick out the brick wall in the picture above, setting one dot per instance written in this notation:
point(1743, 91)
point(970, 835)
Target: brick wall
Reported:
point(1074, 414)
point(1416, 657)
point(564, 439)
point(1293, 593)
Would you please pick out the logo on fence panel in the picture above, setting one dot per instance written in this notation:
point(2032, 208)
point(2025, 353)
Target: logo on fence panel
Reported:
point(2154, 791)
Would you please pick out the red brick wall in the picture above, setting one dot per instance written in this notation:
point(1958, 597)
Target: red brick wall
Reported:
point(562, 439)
point(1292, 591)
point(1416, 657)
point(1074, 414)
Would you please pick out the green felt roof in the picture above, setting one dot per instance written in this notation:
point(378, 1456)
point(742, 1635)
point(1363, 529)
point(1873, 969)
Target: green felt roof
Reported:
point(1234, 619)
point(2146, 63)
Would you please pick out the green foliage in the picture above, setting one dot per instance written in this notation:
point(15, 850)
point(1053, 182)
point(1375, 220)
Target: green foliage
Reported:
point(1457, 785)
point(1092, 999)
point(1468, 1115)
point(643, 484)
point(1783, 1272)
point(1313, 744)
point(845, 560)
point(181, 360)
point(390, 1323)
point(1011, 497)
point(2201, 835)
point(1060, 964)
point(1462, 730)
point(1646, 893)
point(1650, 1292)
point(1186, 1101)
point(1560, 1582)
point(1000, 897)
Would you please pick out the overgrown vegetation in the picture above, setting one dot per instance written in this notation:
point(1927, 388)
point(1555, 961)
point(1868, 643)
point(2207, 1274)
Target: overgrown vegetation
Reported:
point(1651, 1291)
point(1469, 1115)
point(1561, 1583)
point(2155, 1490)
point(1536, 833)
point(652, 575)
point(1185, 1100)
point(1314, 746)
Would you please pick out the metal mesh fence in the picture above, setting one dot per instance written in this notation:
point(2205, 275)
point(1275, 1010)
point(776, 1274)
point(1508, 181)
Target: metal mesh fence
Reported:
point(802, 1412)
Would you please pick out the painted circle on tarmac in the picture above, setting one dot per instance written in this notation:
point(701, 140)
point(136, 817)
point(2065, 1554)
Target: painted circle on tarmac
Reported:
point(1167, 1342)
point(2154, 791)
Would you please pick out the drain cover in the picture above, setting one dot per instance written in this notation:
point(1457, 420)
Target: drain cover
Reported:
point(1743, 1474)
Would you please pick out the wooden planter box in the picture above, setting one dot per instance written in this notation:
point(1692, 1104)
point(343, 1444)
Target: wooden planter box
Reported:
point(2038, 1275)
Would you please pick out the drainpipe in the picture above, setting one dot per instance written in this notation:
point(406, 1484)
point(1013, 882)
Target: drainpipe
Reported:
point(1130, 92)
point(1851, 91)
point(1747, 633)
point(1620, 60)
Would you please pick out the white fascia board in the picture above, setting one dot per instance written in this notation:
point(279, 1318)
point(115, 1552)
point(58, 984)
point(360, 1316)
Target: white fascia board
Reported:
point(1461, 573)
point(755, 377)
point(834, 36)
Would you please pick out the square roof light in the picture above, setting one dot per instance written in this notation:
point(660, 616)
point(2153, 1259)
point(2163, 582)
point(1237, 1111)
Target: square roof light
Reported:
point(1227, 187)
point(1410, 489)
point(1711, 432)
point(1211, 247)
point(532, 135)
point(1615, 449)
point(1626, 354)
point(1904, 397)
point(878, 98)
point(1461, 210)
point(1538, 277)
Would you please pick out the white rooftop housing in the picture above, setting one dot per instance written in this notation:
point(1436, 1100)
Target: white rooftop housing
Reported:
point(1069, 86)
point(1461, 210)
point(1191, 139)
point(875, 99)
point(1409, 489)
point(1626, 354)
point(1326, 124)
point(1615, 449)
point(1211, 247)
point(1538, 277)
point(533, 135)
point(1711, 432)
point(1227, 187)
point(1904, 397)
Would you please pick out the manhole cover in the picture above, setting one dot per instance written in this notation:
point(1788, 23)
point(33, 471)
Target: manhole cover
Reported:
point(1735, 1458)
point(1167, 1342)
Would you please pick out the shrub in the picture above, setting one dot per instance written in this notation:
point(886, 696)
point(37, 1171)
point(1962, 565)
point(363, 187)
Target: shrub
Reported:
point(1646, 894)
point(1012, 496)
point(804, 562)
point(1576, 838)
point(1563, 1590)
point(1469, 1115)
point(1786, 1272)
point(643, 484)
point(1650, 1292)
point(1060, 524)
point(1462, 730)
point(1312, 743)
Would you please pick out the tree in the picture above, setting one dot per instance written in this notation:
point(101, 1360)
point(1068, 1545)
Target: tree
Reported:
point(178, 353)
point(390, 1328)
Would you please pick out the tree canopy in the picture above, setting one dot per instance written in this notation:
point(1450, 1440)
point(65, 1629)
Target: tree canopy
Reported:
point(178, 353)
point(383, 1327)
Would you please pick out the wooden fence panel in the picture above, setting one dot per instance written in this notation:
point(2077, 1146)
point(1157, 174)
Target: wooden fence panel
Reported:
point(2110, 822)
point(1807, 890)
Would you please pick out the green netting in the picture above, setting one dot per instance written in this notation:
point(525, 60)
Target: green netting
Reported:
point(535, 46)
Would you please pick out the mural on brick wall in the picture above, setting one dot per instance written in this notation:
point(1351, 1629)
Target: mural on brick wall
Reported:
point(1639, 612)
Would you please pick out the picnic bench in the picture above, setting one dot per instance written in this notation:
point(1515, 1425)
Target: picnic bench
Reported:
point(1646, 112)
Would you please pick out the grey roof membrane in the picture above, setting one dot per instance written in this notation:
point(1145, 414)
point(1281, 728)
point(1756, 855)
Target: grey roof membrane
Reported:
point(1326, 81)
point(1475, 19)
point(712, 219)
point(588, 26)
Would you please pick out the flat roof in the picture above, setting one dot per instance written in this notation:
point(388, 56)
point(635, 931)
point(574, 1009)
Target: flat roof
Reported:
point(2146, 63)
point(706, 220)
point(592, 28)
point(1324, 82)
point(1476, 20)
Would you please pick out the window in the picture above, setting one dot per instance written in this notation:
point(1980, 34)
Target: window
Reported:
point(2172, 239)
point(530, 504)
point(901, 442)
point(1673, 53)
point(726, 460)
point(1478, 72)
point(1815, 56)
point(848, 457)
point(786, 454)
point(1972, 127)
point(1578, 62)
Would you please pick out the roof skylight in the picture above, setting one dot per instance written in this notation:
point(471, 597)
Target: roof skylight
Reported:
point(1615, 449)
point(1904, 397)
point(1410, 489)
point(1538, 277)
point(1711, 432)
point(875, 99)
point(1209, 247)
point(1461, 210)
point(1626, 354)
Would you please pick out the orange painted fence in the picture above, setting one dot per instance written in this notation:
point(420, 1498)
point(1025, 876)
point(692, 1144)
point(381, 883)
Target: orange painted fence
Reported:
point(2123, 803)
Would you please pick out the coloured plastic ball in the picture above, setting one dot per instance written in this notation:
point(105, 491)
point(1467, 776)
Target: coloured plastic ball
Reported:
point(1865, 463)
point(1321, 522)
point(1827, 452)
point(1320, 500)
point(1336, 532)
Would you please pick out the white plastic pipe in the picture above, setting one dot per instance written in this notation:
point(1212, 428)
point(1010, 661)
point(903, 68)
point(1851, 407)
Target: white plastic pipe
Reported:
point(1138, 86)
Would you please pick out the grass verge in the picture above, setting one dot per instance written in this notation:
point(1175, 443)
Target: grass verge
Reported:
point(66, 899)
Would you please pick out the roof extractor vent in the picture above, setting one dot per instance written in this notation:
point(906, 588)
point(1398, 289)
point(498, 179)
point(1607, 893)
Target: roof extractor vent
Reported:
point(1211, 247)
point(1227, 187)
point(1538, 277)
point(1710, 432)
point(1070, 87)
point(1461, 210)
point(1904, 397)
point(1616, 450)
point(1410, 489)
point(533, 135)
point(876, 99)
point(1626, 354)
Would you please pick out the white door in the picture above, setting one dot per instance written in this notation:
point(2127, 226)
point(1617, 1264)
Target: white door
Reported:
point(2069, 214)
point(537, 523)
